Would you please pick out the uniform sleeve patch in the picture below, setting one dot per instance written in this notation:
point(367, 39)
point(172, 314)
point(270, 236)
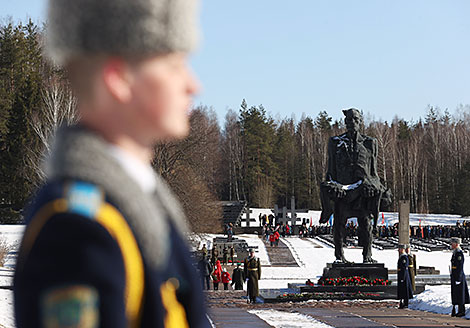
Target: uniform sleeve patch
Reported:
point(459, 258)
point(84, 199)
point(71, 306)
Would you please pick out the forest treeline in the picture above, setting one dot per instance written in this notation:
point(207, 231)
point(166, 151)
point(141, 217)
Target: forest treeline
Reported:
point(251, 157)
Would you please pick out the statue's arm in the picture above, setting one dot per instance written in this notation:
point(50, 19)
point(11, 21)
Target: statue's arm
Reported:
point(331, 171)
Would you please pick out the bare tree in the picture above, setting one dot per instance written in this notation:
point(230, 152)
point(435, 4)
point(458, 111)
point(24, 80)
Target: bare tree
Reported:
point(58, 108)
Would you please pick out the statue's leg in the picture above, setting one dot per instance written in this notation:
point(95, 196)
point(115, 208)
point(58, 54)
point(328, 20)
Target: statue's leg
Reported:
point(339, 233)
point(365, 232)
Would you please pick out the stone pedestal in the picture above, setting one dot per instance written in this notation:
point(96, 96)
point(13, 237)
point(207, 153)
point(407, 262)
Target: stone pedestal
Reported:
point(369, 271)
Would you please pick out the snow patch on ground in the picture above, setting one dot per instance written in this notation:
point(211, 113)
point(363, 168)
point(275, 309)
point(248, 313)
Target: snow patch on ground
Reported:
point(434, 299)
point(7, 319)
point(12, 235)
point(283, 319)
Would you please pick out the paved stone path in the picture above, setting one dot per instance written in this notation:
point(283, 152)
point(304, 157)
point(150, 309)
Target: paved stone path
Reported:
point(235, 318)
point(343, 318)
point(280, 255)
point(229, 309)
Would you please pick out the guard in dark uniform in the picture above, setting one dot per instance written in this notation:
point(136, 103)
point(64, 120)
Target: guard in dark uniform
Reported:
point(404, 289)
point(412, 266)
point(252, 270)
point(459, 289)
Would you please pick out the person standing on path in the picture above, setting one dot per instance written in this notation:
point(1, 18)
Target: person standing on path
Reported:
point(225, 278)
point(217, 275)
point(225, 255)
point(238, 277)
point(404, 289)
point(205, 269)
point(232, 254)
point(215, 255)
point(458, 283)
point(204, 250)
point(252, 270)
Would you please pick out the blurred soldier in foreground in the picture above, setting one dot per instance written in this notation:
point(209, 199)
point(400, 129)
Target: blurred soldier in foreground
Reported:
point(104, 245)
point(458, 282)
point(252, 271)
point(404, 289)
point(412, 266)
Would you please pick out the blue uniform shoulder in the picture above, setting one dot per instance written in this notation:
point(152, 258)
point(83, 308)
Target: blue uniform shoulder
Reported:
point(82, 198)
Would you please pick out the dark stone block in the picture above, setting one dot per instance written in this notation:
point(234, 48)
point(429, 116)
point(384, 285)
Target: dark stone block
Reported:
point(369, 271)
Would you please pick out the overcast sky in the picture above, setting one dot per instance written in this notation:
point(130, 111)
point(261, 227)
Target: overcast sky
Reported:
point(386, 58)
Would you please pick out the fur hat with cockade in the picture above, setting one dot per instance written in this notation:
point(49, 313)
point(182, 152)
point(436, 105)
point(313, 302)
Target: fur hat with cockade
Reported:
point(124, 28)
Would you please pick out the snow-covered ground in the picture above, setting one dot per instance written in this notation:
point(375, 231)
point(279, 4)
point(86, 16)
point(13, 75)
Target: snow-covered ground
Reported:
point(6, 309)
point(310, 254)
point(435, 299)
point(12, 235)
point(283, 319)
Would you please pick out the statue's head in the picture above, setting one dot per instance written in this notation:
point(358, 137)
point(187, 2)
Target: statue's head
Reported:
point(353, 119)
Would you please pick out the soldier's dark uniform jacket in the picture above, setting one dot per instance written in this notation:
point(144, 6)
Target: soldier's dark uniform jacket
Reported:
point(404, 289)
point(252, 271)
point(83, 263)
point(459, 289)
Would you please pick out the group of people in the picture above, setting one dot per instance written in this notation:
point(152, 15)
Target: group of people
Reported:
point(285, 230)
point(217, 274)
point(250, 273)
point(423, 232)
point(407, 270)
point(228, 254)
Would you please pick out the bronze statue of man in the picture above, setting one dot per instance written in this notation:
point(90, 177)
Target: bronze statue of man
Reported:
point(352, 184)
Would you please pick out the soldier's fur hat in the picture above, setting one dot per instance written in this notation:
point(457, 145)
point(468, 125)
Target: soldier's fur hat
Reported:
point(456, 240)
point(125, 28)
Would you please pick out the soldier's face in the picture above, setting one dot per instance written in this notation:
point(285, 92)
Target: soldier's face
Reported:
point(163, 89)
point(353, 122)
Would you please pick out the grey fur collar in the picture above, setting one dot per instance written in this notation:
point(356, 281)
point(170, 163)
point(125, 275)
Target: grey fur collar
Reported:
point(78, 153)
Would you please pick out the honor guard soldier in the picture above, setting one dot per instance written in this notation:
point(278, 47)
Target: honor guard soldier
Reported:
point(458, 287)
point(404, 289)
point(252, 270)
point(104, 244)
point(412, 266)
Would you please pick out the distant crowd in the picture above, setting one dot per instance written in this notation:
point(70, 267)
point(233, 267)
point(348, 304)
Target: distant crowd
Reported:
point(273, 232)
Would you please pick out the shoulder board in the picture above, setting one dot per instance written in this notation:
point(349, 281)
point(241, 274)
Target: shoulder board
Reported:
point(84, 198)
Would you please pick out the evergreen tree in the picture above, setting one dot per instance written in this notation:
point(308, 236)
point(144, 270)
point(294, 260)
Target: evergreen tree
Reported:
point(257, 131)
point(20, 78)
